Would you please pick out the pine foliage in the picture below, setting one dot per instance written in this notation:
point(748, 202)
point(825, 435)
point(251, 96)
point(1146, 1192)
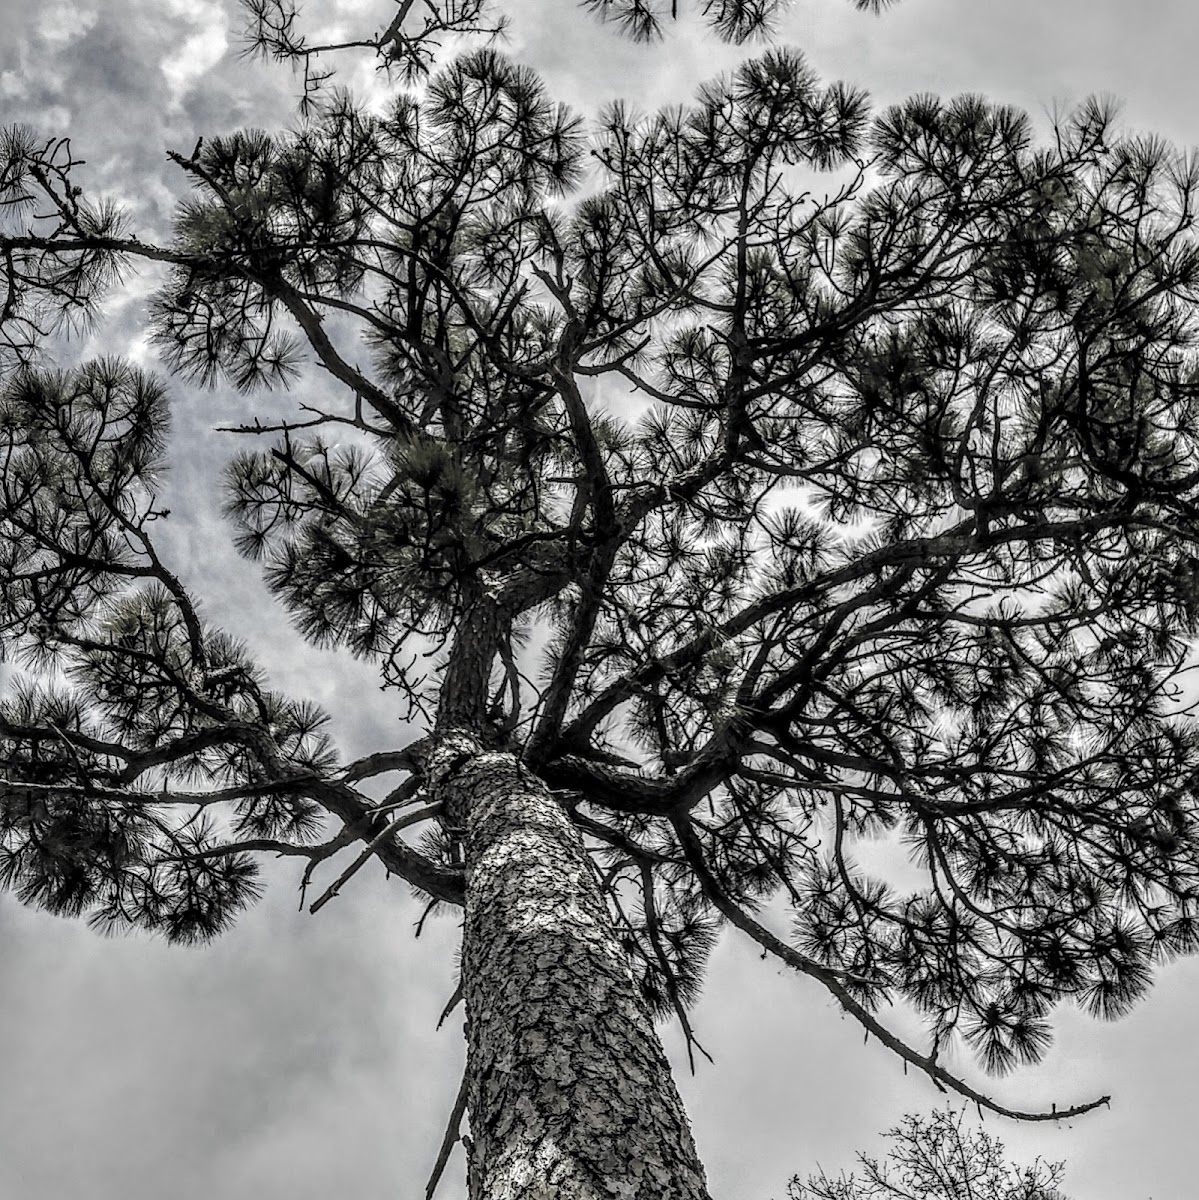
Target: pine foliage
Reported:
point(771, 474)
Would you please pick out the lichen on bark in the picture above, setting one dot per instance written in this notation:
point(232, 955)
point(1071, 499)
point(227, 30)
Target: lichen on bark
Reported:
point(570, 1094)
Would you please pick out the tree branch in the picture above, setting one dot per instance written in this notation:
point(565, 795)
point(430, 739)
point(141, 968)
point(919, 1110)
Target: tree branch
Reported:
point(767, 940)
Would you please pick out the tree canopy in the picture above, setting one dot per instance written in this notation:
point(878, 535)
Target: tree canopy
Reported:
point(935, 1158)
point(768, 473)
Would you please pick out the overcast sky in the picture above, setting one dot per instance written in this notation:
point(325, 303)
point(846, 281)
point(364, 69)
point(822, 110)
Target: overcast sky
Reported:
point(296, 1058)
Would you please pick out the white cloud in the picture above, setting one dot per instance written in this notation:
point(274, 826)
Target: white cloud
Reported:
point(12, 86)
point(198, 53)
point(62, 23)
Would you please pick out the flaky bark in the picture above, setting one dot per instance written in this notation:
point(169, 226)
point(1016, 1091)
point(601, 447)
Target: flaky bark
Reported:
point(570, 1094)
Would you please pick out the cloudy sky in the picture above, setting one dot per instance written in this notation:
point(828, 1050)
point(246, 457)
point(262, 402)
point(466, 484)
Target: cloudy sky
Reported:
point(297, 1057)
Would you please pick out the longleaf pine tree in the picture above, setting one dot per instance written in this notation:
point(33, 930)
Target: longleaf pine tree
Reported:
point(714, 489)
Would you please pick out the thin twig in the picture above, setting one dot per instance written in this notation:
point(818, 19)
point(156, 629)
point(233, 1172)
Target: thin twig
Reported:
point(451, 1004)
point(430, 810)
point(453, 1126)
point(348, 833)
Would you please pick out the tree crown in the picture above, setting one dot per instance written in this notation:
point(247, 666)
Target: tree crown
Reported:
point(767, 473)
point(935, 1158)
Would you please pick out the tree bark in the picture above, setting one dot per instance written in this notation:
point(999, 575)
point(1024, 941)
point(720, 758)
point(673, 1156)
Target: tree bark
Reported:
point(570, 1095)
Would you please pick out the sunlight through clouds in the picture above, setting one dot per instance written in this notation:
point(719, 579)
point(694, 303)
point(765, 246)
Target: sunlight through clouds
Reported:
point(199, 52)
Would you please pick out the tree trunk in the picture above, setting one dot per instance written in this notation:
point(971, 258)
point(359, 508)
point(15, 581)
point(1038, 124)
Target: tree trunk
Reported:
point(569, 1092)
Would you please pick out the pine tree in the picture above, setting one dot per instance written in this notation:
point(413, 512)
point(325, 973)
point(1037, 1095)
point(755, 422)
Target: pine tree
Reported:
point(934, 1158)
point(416, 35)
point(716, 490)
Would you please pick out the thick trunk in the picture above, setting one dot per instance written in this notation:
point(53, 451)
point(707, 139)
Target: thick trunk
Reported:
point(569, 1093)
